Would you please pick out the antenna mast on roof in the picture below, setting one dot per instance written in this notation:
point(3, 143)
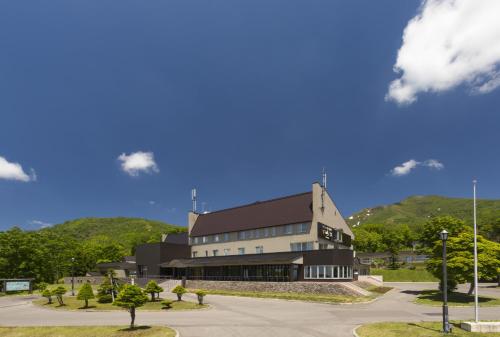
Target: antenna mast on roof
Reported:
point(323, 189)
point(193, 198)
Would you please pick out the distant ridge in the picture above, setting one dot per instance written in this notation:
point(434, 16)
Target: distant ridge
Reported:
point(416, 210)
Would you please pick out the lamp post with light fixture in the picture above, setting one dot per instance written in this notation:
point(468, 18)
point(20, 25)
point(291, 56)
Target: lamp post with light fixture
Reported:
point(446, 325)
point(72, 276)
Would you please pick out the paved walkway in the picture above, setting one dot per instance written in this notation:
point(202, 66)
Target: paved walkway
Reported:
point(239, 316)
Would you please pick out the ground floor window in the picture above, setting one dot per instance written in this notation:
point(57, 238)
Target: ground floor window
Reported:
point(327, 272)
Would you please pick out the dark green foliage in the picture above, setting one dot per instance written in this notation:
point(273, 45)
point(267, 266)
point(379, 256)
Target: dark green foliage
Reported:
point(104, 291)
point(179, 290)
point(415, 211)
point(41, 286)
point(58, 293)
point(85, 294)
point(45, 255)
point(432, 228)
point(152, 288)
point(130, 298)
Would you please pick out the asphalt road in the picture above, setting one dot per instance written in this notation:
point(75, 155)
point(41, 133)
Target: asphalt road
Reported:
point(239, 316)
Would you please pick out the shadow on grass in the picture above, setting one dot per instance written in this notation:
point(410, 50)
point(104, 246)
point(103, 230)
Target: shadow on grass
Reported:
point(135, 328)
point(88, 307)
point(454, 297)
point(420, 326)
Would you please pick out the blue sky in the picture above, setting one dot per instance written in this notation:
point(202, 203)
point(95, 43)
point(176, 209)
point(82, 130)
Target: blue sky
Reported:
point(244, 100)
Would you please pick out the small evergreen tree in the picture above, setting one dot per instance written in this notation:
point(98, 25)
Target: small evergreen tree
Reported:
point(131, 297)
point(104, 291)
point(42, 286)
point(47, 294)
point(58, 293)
point(179, 290)
point(151, 288)
point(86, 293)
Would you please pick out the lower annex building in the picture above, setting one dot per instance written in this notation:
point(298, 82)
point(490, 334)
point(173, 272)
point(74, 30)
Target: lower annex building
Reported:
point(301, 237)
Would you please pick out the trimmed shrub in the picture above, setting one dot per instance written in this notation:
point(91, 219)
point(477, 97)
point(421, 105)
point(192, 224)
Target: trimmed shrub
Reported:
point(201, 294)
point(179, 290)
point(167, 304)
point(85, 294)
point(152, 288)
point(48, 295)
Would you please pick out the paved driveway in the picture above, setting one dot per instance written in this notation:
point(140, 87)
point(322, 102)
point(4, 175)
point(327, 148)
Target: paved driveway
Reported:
point(239, 316)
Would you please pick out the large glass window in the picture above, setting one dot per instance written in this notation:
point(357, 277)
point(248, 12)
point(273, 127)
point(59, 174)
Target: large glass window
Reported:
point(216, 238)
point(226, 236)
point(289, 229)
point(302, 228)
point(273, 231)
point(242, 235)
point(196, 240)
point(266, 232)
point(327, 272)
point(241, 251)
point(204, 239)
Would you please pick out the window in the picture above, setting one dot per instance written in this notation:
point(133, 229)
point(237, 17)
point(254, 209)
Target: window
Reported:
point(227, 251)
point(301, 246)
point(289, 229)
point(266, 232)
point(259, 250)
point(226, 236)
point(206, 252)
point(338, 235)
point(215, 252)
point(216, 238)
point(257, 233)
point(242, 235)
point(195, 254)
point(204, 239)
point(327, 272)
point(273, 231)
point(323, 246)
point(241, 251)
point(196, 239)
point(302, 228)
point(250, 234)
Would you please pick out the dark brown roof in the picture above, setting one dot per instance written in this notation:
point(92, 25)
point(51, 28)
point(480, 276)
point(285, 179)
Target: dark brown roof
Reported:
point(287, 210)
point(237, 260)
point(177, 238)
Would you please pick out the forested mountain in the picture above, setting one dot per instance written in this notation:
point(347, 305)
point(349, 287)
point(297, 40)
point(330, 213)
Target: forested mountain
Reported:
point(50, 253)
point(127, 232)
point(416, 210)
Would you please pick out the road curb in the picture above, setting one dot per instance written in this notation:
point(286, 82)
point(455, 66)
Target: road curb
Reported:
point(354, 333)
point(177, 334)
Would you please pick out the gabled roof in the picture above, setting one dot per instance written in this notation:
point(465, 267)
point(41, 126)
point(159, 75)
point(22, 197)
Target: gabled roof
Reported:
point(286, 210)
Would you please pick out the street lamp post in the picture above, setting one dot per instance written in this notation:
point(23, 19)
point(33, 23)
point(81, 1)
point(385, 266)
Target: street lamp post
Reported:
point(446, 324)
point(72, 276)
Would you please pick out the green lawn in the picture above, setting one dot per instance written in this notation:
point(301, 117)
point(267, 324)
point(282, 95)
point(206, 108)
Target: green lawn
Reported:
point(71, 303)
point(405, 275)
point(421, 329)
point(435, 298)
point(87, 331)
point(292, 296)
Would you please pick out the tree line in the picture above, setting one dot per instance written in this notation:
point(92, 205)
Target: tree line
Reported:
point(47, 256)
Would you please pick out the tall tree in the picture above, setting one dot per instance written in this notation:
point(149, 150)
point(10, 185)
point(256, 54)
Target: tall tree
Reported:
point(130, 298)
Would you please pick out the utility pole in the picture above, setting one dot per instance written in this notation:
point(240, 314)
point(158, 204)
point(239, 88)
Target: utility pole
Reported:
point(476, 296)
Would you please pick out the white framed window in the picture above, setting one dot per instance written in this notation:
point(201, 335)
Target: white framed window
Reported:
point(338, 235)
point(204, 239)
point(257, 233)
point(196, 240)
point(226, 236)
point(241, 251)
point(250, 234)
point(227, 251)
point(289, 229)
point(195, 254)
point(273, 231)
point(242, 235)
point(259, 250)
point(216, 238)
point(215, 252)
point(266, 232)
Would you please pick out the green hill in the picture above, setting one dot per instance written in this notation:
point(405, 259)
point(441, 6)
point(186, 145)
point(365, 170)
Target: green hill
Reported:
point(416, 210)
point(126, 231)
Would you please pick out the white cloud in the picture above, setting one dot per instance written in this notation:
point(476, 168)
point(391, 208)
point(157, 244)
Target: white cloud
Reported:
point(42, 224)
point(138, 162)
point(152, 202)
point(434, 164)
point(14, 171)
point(412, 164)
point(404, 168)
point(449, 43)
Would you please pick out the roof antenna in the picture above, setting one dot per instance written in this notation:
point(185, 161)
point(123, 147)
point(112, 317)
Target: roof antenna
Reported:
point(193, 198)
point(203, 207)
point(323, 189)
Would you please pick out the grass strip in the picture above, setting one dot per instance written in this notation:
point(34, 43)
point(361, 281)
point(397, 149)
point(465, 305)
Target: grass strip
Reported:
point(420, 329)
point(86, 331)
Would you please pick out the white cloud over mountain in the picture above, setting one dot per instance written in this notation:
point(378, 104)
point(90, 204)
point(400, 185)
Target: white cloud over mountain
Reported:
point(138, 162)
point(408, 166)
point(14, 171)
point(447, 44)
